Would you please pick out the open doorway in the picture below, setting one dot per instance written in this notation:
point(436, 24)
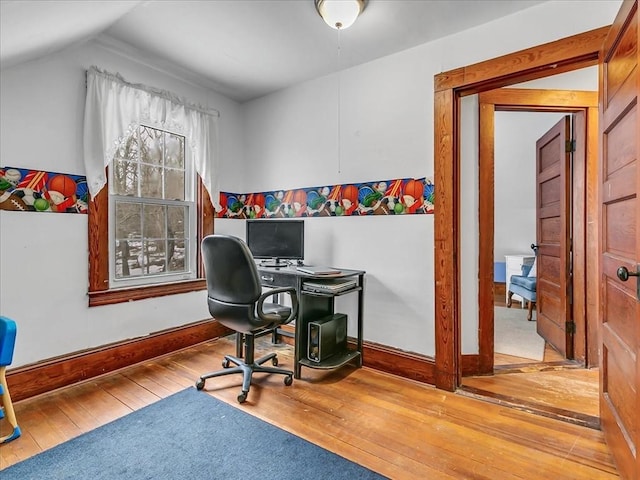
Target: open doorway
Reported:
point(549, 393)
point(516, 337)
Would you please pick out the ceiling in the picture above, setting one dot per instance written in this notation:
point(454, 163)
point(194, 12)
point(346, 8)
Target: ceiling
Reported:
point(241, 48)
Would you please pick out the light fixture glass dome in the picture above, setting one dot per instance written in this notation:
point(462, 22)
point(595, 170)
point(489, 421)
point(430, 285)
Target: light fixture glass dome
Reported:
point(340, 14)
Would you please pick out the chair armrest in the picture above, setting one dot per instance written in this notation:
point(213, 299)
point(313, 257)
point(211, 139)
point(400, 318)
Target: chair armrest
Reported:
point(291, 291)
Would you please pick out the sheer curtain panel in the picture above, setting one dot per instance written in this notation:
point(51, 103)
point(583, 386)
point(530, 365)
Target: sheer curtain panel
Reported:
point(114, 108)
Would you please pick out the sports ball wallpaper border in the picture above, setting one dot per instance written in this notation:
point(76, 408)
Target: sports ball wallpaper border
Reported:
point(25, 190)
point(383, 197)
point(41, 191)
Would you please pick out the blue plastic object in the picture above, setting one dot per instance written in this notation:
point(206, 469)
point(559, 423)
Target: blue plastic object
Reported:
point(8, 331)
point(7, 340)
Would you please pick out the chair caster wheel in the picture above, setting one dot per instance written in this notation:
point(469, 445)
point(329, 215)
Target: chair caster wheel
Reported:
point(199, 384)
point(225, 363)
point(288, 380)
point(274, 361)
point(242, 397)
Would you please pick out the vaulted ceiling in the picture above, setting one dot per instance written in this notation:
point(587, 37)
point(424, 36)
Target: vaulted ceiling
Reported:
point(241, 48)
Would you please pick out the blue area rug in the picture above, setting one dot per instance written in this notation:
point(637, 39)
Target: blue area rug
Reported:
point(187, 435)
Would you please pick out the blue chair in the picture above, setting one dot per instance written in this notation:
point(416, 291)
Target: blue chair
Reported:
point(525, 286)
point(7, 343)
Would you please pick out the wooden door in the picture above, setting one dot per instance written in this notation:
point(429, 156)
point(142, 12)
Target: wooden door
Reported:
point(553, 182)
point(620, 242)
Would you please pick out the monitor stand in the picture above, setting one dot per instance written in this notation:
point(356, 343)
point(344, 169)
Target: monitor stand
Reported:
point(273, 262)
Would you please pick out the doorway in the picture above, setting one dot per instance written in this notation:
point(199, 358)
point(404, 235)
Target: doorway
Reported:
point(549, 394)
point(584, 172)
point(568, 54)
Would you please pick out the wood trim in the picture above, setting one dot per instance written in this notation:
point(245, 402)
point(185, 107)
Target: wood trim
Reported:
point(397, 362)
point(592, 246)
point(98, 242)
point(470, 365)
point(447, 278)
point(541, 61)
point(206, 220)
point(383, 358)
point(28, 381)
point(120, 295)
point(577, 197)
point(523, 99)
point(575, 418)
point(486, 234)
point(531, 100)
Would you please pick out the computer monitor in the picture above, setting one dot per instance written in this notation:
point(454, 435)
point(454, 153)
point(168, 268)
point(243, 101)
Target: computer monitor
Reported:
point(276, 240)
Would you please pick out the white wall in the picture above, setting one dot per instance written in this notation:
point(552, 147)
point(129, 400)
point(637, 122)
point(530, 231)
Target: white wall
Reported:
point(287, 139)
point(44, 256)
point(516, 134)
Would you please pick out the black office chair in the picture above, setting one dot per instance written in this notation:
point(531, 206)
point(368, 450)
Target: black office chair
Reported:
point(236, 300)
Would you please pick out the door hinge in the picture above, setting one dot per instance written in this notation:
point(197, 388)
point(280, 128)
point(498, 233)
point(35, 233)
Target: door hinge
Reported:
point(570, 328)
point(570, 146)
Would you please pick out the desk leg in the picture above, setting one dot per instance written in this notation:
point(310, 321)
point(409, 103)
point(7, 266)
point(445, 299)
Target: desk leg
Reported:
point(360, 316)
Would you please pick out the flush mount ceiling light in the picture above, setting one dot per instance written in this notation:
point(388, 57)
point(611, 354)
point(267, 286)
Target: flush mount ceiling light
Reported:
point(340, 14)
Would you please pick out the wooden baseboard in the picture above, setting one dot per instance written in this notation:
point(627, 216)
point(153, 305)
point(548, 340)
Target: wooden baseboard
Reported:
point(398, 362)
point(386, 359)
point(28, 381)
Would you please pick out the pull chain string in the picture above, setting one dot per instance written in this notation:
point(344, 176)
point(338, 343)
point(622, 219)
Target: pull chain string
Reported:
point(339, 107)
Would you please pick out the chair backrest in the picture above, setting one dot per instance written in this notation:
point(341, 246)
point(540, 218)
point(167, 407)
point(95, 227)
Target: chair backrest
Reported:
point(233, 282)
point(7, 340)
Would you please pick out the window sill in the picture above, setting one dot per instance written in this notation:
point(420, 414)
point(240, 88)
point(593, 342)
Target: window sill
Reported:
point(121, 295)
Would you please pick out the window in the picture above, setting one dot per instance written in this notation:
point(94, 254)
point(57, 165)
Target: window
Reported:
point(104, 289)
point(145, 228)
point(152, 227)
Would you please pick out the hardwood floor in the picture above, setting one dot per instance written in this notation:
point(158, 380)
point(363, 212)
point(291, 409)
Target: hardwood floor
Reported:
point(554, 387)
point(399, 428)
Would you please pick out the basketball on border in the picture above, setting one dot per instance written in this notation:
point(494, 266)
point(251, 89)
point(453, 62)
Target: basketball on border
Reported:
point(63, 184)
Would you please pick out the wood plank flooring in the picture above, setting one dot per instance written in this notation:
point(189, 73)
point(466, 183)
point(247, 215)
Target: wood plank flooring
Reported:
point(555, 386)
point(399, 428)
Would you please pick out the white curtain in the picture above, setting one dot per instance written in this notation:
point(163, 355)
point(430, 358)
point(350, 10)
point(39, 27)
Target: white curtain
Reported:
point(115, 108)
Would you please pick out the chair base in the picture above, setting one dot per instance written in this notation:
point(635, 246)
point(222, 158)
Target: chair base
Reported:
point(247, 369)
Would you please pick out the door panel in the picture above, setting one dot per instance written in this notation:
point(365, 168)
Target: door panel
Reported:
point(553, 229)
point(620, 241)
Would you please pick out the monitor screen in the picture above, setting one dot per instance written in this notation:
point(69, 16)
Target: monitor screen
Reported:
point(276, 239)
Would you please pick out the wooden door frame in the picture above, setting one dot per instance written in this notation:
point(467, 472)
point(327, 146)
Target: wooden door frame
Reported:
point(564, 55)
point(585, 173)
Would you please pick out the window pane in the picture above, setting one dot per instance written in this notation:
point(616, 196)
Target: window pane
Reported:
point(176, 255)
point(154, 222)
point(127, 243)
point(151, 147)
point(150, 181)
point(176, 239)
point(128, 220)
point(174, 184)
point(174, 151)
point(130, 150)
point(125, 178)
